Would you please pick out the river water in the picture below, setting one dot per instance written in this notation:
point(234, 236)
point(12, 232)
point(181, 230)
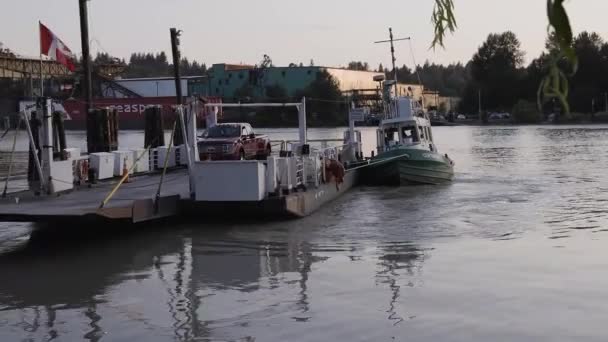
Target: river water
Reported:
point(513, 250)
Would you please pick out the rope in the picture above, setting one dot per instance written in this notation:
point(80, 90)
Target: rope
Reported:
point(10, 163)
point(5, 133)
point(414, 60)
point(371, 164)
point(124, 177)
point(162, 175)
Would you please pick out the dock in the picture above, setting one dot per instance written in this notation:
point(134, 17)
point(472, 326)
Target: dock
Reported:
point(293, 205)
point(133, 203)
point(292, 183)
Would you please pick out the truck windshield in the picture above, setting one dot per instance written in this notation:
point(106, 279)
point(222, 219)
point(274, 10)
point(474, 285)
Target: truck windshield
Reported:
point(223, 132)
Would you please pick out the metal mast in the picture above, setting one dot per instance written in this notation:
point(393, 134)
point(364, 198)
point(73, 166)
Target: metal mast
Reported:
point(391, 41)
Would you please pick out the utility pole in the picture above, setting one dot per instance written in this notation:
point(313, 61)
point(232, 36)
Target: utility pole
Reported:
point(86, 64)
point(181, 134)
point(179, 139)
point(391, 41)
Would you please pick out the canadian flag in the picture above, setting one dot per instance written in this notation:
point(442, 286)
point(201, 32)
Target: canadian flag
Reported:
point(55, 49)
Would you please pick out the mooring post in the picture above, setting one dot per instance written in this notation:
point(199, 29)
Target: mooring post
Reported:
point(302, 121)
point(179, 139)
point(87, 86)
point(35, 152)
point(46, 144)
point(191, 125)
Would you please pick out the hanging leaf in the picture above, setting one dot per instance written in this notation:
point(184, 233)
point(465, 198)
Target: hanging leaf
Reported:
point(444, 21)
point(555, 84)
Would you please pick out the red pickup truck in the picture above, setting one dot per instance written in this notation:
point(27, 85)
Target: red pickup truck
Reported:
point(233, 141)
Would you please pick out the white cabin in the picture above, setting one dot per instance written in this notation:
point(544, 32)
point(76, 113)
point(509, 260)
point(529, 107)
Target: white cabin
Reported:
point(405, 124)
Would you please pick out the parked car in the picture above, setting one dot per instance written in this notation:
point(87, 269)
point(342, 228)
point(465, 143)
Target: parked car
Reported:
point(233, 141)
point(499, 116)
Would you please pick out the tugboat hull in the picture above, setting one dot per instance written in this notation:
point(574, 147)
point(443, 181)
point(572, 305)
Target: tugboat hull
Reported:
point(408, 167)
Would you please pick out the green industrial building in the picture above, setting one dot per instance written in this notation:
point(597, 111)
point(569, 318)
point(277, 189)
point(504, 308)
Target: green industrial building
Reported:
point(225, 80)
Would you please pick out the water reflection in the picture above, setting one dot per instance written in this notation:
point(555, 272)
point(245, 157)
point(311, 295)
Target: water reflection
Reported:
point(395, 259)
point(42, 283)
point(92, 290)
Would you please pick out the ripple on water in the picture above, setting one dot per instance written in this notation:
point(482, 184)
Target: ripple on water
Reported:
point(511, 240)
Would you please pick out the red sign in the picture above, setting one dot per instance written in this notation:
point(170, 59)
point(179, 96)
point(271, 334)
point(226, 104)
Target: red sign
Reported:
point(132, 108)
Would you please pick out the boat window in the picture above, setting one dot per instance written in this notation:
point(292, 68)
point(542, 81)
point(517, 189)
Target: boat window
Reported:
point(391, 136)
point(409, 134)
point(224, 131)
point(430, 134)
point(422, 133)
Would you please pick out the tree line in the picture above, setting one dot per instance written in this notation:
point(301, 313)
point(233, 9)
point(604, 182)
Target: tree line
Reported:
point(152, 65)
point(498, 76)
point(448, 80)
point(505, 83)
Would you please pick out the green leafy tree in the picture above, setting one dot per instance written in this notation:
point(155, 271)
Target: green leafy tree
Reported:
point(4, 51)
point(555, 84)
point(325, 104)
point(157, 65)
point(589, 84)
point(106, 58)
point(245, 93)
point(526, 112)
point(358, 65)
point(495, 68)
point(275, 116)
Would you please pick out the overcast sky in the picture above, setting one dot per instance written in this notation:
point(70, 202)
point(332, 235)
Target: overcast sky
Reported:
point(332, 32)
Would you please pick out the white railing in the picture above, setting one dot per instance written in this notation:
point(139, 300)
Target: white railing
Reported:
point(309, 169)
point(300, 180)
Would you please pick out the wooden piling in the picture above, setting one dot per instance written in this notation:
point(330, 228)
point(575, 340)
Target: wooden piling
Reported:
point(103, 130)
point(32, 174)
point(154, 133)
point(59, 142)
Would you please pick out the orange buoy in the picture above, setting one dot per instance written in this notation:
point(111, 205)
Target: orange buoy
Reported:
point(125, 171)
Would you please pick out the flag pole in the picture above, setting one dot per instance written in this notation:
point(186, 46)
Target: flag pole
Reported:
point(41, 78)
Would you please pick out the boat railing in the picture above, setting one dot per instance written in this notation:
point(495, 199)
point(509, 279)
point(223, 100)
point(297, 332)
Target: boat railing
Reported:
point(310, 168)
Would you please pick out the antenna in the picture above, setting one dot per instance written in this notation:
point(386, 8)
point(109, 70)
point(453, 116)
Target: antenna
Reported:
point(392, 40)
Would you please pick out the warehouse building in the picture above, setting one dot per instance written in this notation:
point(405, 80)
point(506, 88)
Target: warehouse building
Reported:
point(226, 79)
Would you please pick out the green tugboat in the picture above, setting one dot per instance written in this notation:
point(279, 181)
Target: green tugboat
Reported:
point(406, 153)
